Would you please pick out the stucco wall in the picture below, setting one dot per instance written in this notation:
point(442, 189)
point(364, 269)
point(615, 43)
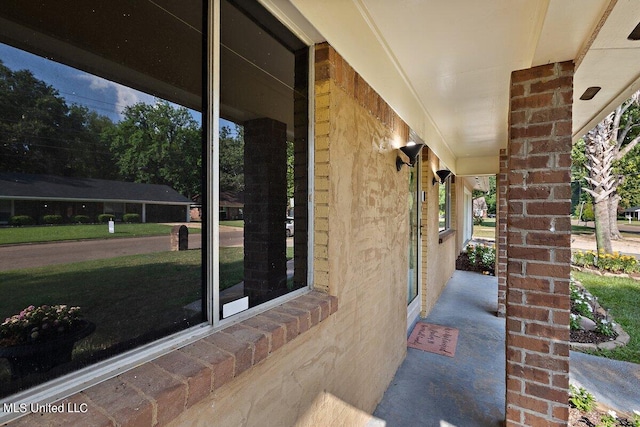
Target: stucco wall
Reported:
point(438, 250)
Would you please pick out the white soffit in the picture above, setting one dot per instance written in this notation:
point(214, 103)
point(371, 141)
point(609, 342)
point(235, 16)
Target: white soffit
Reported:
point(613, 63)
point(445, 66)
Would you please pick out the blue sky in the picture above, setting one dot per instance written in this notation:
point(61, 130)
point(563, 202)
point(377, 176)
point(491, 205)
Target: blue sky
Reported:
point(77, 87)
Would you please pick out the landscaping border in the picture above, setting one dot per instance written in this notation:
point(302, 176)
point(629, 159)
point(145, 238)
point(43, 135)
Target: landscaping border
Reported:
point(622, 337)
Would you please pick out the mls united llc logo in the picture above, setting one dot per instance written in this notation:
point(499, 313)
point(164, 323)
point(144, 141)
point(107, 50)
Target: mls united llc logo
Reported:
point(23, 408)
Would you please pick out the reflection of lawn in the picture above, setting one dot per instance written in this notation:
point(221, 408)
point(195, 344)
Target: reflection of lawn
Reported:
point(233, 223)
point(129, 299)
point(125, 296)
point(52, 233)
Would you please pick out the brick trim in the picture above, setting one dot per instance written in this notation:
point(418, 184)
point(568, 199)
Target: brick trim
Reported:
point(156, 392)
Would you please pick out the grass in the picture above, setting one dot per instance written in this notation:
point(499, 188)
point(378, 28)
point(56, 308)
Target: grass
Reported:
point(55, 233)
point(622, 297)
point(234, 223)
point(580, 229)
point(485, 230)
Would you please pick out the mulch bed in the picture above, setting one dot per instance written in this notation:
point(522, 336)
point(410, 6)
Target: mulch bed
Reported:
point(463, 263)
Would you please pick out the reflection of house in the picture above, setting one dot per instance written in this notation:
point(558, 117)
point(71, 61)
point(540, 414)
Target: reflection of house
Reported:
point(231, 205)
point(38, 195)
point(480, 208)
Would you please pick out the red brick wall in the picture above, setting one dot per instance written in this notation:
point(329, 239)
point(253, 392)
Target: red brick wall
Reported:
point(538, 246)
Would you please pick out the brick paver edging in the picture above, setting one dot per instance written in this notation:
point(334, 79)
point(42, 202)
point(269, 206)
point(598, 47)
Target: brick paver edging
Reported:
point(158, 391)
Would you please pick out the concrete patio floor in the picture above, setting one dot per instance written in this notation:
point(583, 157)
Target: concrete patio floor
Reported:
point(469, 389)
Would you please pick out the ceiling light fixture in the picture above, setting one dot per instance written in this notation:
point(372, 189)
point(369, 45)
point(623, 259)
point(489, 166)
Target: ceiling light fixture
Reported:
point(590, 93)
point(635, 34)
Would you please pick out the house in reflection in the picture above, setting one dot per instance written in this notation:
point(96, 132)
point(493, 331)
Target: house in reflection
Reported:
point(38, 195)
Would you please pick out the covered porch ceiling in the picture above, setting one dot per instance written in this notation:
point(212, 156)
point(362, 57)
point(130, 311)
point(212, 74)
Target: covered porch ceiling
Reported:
point(445, 66)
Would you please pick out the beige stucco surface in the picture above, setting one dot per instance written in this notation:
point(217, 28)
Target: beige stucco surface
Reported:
point(438, 259)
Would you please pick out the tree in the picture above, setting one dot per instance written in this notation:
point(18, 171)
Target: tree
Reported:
point(605, 146)
point(41, 134)
point(232, 160)
point(159, 144)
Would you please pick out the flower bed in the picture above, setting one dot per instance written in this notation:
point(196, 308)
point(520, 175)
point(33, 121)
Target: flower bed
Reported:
point(591, 326)
point(614, 262)
point(37, 324)
point(585, 411)
point(480, 258)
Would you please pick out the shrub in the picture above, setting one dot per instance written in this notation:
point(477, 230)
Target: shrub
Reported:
point(617, 263)
point(614, 262)
point(38, 324)
point(80, 219)
point(587, 212)
point(581, 399)
point(103, 218)
point(18, 220)
point(574, 322)
point(52, 219)
point(477, 220)
point(131, 217)
point(483, 257)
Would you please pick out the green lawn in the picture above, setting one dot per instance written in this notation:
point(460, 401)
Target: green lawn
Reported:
point(622, 297)
point(234, 223)
point(53, 233)
point(125, 296)
point(485, 230)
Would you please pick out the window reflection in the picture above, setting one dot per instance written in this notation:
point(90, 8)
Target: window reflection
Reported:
point(263, 159)
point(444, 196)
point(98, 163)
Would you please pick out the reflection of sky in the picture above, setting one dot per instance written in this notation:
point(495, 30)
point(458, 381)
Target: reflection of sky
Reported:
point(77, 87)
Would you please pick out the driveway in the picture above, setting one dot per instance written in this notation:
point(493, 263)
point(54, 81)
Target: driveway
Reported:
point(38, 255)
point(14, 257)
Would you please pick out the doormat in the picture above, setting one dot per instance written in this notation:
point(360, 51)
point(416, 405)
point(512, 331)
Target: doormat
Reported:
point(434, 339)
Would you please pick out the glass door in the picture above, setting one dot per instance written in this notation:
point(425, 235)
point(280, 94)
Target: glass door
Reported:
point(414, 232)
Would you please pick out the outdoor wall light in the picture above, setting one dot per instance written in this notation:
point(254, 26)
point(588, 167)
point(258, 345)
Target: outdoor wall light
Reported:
point(443, 174)
point(411, 150)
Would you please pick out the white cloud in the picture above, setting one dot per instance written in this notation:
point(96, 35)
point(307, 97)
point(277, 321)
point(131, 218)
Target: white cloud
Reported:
point(125, 96)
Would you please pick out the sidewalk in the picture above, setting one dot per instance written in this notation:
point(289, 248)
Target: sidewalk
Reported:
point(469, 389)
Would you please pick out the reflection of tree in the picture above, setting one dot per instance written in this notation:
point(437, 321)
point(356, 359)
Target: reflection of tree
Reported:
point(232, 160)
point(159, 144)
point(40, 133)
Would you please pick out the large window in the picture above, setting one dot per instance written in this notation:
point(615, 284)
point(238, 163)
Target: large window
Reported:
point(114, 148)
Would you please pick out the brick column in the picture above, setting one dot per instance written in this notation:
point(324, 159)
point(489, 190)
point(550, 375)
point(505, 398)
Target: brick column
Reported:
point(501, 234)
point(538, 246)
point(265, 205)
